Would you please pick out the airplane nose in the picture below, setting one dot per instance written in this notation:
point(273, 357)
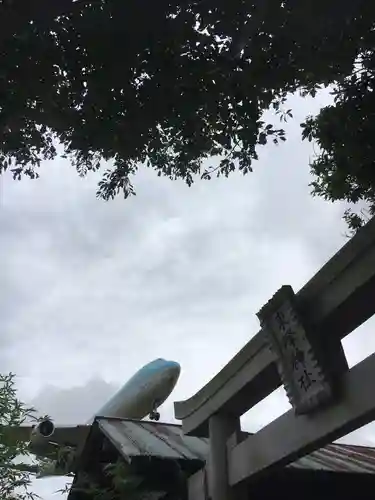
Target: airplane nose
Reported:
point(174, 369)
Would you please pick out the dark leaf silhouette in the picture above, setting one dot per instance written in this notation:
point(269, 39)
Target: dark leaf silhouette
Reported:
point(170, 84)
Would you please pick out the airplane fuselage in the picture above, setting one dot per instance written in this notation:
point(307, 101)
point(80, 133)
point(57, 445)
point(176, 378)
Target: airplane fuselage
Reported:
point(143, 393)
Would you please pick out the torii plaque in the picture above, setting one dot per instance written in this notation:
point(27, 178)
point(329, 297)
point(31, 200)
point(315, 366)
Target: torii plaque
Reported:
point(306, 383)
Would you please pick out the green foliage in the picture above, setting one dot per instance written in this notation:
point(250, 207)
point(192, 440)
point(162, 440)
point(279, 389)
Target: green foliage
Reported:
point(14, 483)
point(344, 169)
point(169, 84)
point(121, 484)
point(120, 481)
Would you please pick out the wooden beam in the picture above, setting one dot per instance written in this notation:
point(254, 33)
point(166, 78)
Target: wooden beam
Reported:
point(335, 302)
point(221, 428)
point(249, 377)
point(197, 486)
point(290, 437)
point(336, 298)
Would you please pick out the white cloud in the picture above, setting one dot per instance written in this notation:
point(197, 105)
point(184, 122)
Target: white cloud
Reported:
point(93, 290)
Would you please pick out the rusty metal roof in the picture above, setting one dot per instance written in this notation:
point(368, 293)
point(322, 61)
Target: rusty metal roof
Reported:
point(134, 438)
point(340, 458)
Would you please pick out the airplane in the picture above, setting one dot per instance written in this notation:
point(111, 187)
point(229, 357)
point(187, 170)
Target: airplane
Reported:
point(140, 397)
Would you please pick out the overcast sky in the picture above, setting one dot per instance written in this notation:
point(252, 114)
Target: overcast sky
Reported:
point(90, 291)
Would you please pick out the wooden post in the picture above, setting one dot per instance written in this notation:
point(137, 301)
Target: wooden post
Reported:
point(221, 427)
point(197, 486)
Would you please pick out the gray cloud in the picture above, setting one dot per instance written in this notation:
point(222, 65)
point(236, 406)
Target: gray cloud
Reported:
point(91, 291)
point(75, 405)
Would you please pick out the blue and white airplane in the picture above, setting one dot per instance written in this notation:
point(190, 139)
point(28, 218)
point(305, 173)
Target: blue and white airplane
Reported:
point(140, 397)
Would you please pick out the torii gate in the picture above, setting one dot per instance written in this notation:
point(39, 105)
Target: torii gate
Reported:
point(338, 299)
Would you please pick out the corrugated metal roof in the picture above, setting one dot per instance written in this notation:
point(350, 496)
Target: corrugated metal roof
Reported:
point(340, 458)
point(141, 438)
